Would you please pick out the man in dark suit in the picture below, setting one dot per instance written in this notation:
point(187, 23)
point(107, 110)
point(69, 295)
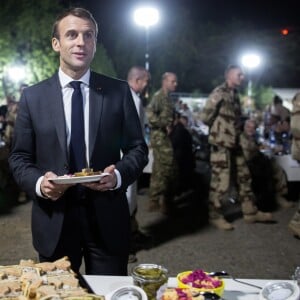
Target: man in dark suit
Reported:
point(89, 220)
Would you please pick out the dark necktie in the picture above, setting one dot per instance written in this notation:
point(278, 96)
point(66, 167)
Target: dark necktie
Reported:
point(77, 142)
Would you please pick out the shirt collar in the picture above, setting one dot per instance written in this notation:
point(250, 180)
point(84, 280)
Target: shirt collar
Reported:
point(65, 79)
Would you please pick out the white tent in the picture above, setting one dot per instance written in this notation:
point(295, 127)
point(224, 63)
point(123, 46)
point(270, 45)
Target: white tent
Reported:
point(286, 94)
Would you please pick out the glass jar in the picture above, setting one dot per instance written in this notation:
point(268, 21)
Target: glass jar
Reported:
point(149, 277)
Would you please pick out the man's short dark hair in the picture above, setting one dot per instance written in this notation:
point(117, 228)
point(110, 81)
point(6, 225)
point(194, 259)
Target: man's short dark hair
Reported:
point(231, 67)
point(277, 100)
point(77, 12)
point(137, 72)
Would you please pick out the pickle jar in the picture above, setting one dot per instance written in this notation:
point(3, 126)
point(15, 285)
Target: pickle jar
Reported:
point(149, 277)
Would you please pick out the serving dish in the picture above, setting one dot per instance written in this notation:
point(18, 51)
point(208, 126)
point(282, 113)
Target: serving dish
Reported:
point(195, 279)
point(280, 291)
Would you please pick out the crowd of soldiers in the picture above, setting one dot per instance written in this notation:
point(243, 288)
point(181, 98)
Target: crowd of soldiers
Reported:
point(234, 151)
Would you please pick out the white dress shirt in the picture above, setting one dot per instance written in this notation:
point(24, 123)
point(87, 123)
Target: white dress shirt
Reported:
point(139, 107)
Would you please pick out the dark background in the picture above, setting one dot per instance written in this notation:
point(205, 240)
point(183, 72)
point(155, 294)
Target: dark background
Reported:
point(183, 42)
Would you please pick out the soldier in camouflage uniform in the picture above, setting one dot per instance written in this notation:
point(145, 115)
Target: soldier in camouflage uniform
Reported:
point(294, 224)
point(222, 113)
point(269, 173)
point(160, 114)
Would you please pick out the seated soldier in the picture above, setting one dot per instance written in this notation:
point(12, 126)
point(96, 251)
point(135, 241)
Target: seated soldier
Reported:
point(269, 181)
point(294, 223)
point(182, 143)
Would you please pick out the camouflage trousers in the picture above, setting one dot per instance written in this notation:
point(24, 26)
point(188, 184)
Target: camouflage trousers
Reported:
point(164, 169)
point(280, 179)
point(229, 168)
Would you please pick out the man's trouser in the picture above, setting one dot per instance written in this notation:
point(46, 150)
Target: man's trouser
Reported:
point(227, 167)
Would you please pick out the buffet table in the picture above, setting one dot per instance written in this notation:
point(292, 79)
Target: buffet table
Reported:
point(290, 166)
point(103, 285)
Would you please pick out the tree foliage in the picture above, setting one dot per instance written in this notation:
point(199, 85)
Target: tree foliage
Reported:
point(26, 33)
point(26, 41)
point(102, 63)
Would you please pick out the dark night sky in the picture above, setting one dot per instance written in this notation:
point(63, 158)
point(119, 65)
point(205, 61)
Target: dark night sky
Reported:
point(261, 12)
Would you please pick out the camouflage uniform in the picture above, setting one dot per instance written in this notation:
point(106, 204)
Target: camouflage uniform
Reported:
point(277, 175)
point(160, 113)
point(295, 127)
point(222, 112)
point(294, 223)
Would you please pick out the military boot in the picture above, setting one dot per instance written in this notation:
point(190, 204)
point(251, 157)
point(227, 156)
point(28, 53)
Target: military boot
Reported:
point(284, 203)
point(167, 206)
point(258, 217)
point(294, 224)
point(221, 224)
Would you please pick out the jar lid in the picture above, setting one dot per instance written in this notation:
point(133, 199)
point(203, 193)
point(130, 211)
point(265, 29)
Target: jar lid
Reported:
point(127, 293)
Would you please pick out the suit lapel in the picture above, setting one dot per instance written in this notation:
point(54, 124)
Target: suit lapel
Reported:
point(57, 113)
point(96, 106)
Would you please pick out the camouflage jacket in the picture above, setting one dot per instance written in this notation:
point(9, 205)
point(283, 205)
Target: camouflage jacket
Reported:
point(160, 111)
point(249, 146)
point(295, 127)
point(222, 113)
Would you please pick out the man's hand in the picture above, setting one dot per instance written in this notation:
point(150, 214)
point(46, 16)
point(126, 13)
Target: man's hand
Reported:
point(106, 183)
point(52, 190)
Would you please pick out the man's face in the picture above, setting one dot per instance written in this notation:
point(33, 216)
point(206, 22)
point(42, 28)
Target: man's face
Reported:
point(170, 82)
point(142, 83)
point(76, 45)
point(235, 77)
point(250, 128)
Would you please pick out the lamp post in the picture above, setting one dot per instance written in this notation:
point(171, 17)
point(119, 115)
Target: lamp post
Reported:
point(16, 73)
point(11, 76)
point(146, 17)
point(250, 61)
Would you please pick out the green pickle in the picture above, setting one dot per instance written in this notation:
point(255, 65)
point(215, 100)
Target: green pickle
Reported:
point(149, 277)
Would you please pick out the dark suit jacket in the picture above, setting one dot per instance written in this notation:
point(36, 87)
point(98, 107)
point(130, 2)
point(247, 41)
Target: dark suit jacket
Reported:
point(40, 145)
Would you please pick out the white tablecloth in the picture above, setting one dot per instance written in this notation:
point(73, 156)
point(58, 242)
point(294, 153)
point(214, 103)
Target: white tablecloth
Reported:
point(290, 166)
point(148, 168)
point(103, 285)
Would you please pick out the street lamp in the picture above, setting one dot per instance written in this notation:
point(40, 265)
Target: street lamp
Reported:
point(16, 73)
point(12, 75)
point(146, 17)
point(250, 61)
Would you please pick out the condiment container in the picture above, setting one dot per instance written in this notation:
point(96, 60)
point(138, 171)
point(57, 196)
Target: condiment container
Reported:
point(150, 277)
point(127, 293)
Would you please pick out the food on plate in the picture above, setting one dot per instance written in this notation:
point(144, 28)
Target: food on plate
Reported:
point(42, 281)
point(200, 280)
point(181, 294)
point(87, 172)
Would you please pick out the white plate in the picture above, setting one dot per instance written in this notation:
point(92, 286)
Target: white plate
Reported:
point(79, 179)
point(280, 291)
